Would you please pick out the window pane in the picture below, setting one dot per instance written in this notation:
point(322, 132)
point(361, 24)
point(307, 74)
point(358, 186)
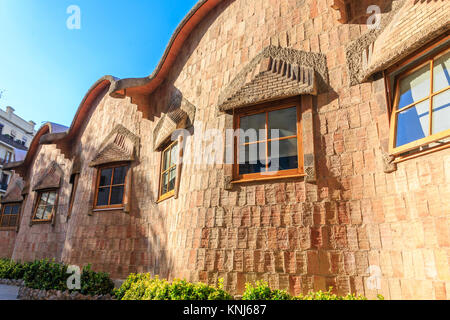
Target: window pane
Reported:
point(172, 178)
point(15, 209)
point(102, 197)
point(441, 112)
point(252, 158)
point(284, 120)
point(166, 159)
point(39, 213)
point(286, 153)
point(441, 72)
point(5, 221)
point(105, 177)
point(117, 195)
point(414, 87)
point(413, 124)
point(252, 126)
point(119, 175)
point(48, 212)
point(174, 155)
point(43, 199)
point(51, 198)
point(165, 183)
point(7, 210)
point(12, 221)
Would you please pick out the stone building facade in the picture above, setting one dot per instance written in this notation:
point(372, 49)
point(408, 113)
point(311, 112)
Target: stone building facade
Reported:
point(361, 206)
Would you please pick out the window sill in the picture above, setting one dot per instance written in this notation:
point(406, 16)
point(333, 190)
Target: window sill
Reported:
point(41, 221)
point(269, 178)
point(399, 159)
point(166, 197)
point(108, 209)
point(8, 228)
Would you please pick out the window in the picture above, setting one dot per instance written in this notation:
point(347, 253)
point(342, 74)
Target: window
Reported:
point(4, 181)
point(110, 189)
point(9, 216)
point(45, 206)
point(421, 110)
point(8, 157)
point(168, 171)
point(269, 142)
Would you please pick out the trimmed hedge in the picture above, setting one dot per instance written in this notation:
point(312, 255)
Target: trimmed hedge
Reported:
point(49, 275)
point(145, 287)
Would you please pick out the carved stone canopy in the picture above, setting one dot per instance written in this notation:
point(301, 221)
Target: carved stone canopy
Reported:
point(119, 146)
point(180, 115)
point(50, 179)
point(14, 193)
point(276, 73)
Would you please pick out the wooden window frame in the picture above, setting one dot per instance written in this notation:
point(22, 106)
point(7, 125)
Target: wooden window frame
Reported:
point(97, 186)
point(171, 193)
point(266, 108)
point(2, 214)
point(421, 62)
point(36, 205)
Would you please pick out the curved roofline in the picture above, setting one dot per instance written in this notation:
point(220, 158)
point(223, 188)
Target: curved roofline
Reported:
point(121, 88)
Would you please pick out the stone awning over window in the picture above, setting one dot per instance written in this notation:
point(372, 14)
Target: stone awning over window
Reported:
point(276, 73)
point(14, 193)
point(50, 179)
point(120, 145)
point(180, 115)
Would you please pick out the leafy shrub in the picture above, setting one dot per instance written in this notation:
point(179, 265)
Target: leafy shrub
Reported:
point(49, 275)
point(95, 283)
point(10, 269)
point(262, 291)
point(145, 287)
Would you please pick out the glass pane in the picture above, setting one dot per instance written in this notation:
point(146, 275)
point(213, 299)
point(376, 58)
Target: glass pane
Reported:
point(174, 155)
point(413, 124)
point(119, 175)
point(43, 199)
point(172, 178)
point(285, 121)
point(5, 221)
point(254, 127)
point(441, 74)
point(39, 213)
point(7, 210)
point(165, 183)
point(102, 198)
point(12, 220)
point(117, 195)
point(252, 158)
point(51, 198)
point(48, 213)
point(283, 155)
point(166, 159)
point(105, 177)
point(15, 209)
point(414, 87)
point(441, 112)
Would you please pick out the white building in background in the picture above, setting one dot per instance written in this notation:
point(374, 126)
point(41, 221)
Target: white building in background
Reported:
point(15, 138)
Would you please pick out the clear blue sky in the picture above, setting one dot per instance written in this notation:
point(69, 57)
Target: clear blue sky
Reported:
point(46, 69)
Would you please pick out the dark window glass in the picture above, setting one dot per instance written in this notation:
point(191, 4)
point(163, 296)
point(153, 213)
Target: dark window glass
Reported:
point(105, 177)
point(285, 154)
point(413, 123)
point(252, 158)
point(284, 120)
point(46, 205)
point(110, 191)
point(117, 195)
point(254, 128)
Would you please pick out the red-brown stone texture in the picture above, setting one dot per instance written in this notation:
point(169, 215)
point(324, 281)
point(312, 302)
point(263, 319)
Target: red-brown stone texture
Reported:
point(295, 234)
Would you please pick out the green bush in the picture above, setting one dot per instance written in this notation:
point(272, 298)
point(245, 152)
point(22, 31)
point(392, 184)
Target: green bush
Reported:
point(145, 287)
point(49, 275)
point(10, 269)
point(262, 291)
